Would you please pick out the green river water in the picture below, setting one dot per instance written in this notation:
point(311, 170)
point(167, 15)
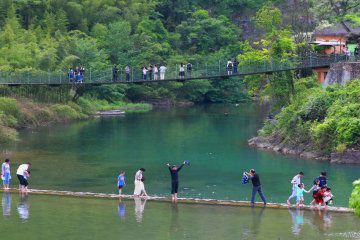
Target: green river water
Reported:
point(57, 218)
point(87, 155)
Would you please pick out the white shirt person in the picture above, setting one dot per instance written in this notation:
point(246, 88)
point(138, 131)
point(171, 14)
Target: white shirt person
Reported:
point(162, 72)
point(139, 183)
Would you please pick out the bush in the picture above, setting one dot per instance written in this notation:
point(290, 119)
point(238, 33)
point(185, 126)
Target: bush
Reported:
point(330, 117)
point(86, 106)
point(8, 134)
point(354, 201)
point(11, 111)
point(65, 112)
point(316, 107)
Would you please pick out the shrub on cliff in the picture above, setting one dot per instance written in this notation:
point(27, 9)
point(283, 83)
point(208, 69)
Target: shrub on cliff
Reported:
point(327, 119)
point(355, 197)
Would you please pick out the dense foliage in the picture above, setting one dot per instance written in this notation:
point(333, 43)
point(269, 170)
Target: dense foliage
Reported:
point(327, 119)
point(355, 197)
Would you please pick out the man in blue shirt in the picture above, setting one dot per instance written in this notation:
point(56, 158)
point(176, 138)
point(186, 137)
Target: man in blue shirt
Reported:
point(322, 179)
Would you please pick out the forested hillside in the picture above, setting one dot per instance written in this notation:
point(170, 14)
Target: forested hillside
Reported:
point(57, 34)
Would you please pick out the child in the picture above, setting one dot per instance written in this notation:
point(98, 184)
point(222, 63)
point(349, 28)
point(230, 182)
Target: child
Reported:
point(121, 181)
point(300, 194)
point(315, 190)
point(5, 174)
point(327, 196)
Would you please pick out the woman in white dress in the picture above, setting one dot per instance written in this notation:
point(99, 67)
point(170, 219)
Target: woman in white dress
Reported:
point(139, 183)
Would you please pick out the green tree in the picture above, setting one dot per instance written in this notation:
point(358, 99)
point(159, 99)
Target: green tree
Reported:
point(201, 33)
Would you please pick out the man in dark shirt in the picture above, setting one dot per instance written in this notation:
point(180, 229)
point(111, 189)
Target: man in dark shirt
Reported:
point(255, 180)
point(174, 172)
point(322, 179)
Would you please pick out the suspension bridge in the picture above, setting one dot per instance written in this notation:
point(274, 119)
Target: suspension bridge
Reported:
point(216, 70)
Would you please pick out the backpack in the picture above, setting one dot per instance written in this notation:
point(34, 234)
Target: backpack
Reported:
point(230, 65)
point(245, 179)
point(189, 66)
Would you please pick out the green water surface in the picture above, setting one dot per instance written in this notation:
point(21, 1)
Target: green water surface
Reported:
point(87, 155)
point(52, 217)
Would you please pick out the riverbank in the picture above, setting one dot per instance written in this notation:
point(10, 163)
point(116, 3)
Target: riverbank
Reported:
point(349, 156)
point(20, 113)
point(319, 123)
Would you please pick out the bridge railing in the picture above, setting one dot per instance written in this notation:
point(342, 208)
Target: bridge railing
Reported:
point(199, 71)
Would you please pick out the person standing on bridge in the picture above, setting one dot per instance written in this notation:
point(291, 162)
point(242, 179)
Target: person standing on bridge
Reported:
point(255, 179)
point(235, 66)
point(357, 51)
point(144, 73)
point(115, 72)
point(182, 71)
point(295, 183)
point(150, 70)
point(156, 72)
point(189, 69)
point(127, 73)
point(162, 72)
point(229, 67)
point(71, 75)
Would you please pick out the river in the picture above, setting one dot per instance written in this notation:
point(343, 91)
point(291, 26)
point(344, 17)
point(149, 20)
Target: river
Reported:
point(52, 217)
point(87, 155)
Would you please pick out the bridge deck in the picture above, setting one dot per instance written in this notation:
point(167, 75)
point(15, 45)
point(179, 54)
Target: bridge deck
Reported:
point(207, 71)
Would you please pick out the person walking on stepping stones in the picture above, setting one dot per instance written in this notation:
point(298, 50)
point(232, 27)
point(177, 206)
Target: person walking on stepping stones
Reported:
point(23, 174)
point(255, 180)
point(174, 172)
point(139, 190)
point(295, 183)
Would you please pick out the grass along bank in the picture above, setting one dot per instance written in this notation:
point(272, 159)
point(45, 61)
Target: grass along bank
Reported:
point(18, 113)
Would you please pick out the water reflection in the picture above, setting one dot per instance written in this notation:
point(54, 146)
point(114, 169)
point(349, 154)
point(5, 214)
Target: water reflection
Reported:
point(322, 220)
point(176, 228)
point(23, 208)
point(6, 204)
point(139, 208)
point(121, 209)
point(297, 217)
point(251, 230)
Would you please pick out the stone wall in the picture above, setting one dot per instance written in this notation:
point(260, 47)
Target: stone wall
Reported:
point(342, 72)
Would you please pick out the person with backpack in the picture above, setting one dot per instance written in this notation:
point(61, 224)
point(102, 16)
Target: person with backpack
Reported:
point(235, 66)
point(229, 67)
point(115, 72)
point(189, 69)
point(255, 180)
